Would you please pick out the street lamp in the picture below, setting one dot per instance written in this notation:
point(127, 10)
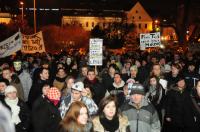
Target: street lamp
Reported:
point(22, 4)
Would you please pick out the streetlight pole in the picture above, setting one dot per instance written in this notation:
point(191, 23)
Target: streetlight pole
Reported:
point(34, 2)
point(22, 4)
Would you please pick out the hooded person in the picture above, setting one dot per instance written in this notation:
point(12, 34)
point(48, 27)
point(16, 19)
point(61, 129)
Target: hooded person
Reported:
point(46, 116)
point(20, 114)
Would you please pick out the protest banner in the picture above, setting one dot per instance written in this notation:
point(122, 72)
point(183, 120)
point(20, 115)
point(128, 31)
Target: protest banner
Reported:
point(33, 43)
point(95, 54)
point(149, 40)
point(11, 45)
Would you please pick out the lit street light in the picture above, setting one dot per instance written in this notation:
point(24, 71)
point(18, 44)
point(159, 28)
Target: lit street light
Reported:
point(22, 4)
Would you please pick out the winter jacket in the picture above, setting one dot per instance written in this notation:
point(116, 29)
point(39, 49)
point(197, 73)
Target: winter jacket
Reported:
point(107, 81)
point(36, 91)
point(26, 82)
point(97, 89)
point(67, 100)
point(176, 105)
point(144, 119)
point(24, 115)
point(123, 124)
point(191, 79)
point(117, 90)
point(18, 85)
point(59, 82)
point(45, 116)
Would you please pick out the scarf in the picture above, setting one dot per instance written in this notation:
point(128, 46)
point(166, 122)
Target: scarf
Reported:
point(55, 102)
point(15, 109)
point(110, 125)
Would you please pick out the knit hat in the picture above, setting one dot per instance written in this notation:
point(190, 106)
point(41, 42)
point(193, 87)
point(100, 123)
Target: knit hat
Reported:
point(79, 86)
point(136, 88)
point(53, 94)
point(9, 89)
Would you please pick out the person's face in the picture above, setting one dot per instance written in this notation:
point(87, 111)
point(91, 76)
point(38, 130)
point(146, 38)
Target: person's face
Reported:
point(83, 117)
point(175, 71)
point(91, 75)
point(17, 65)
point(84, 71)
point(133, 72)
point(11, 95)
point(45, 89)
point(61, 72)
point(2, 87)
point(153, 81)
point(117, 78)
point(176, 57)
point(110, 110)
point(111, 70)
point(191, 68)
point(7, 74)
point(162, 61)
point(198, 88)
point(181, 84)
point(69, 60)
point(76, 95)
point(44, 75)
point(137, 98)
point(156, 70)
point(70, 82)
point(153, 60)
point(127, 65)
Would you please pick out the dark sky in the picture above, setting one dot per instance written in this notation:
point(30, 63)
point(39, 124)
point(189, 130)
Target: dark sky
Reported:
point(154, 7)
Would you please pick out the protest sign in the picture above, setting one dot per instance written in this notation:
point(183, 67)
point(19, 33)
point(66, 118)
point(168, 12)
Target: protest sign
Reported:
point(11, 45)
point(33, 43)
point(96, 56)
point(149, 40)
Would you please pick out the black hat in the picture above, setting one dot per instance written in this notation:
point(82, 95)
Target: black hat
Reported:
point(136, 88)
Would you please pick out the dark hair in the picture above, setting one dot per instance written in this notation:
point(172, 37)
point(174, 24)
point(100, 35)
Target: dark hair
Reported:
point(104, 102)
point(177, 66)
point(4, 81)
point(91, 70)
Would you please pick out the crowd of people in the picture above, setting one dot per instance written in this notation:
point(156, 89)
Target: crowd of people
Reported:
point(133, 92)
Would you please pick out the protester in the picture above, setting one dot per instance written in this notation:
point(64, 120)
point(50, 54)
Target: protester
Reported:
point(20, 114)
point(108, 118)
point(24, 77)
point(3, 84)
point(59, 81)
point(45, 113)
point(142, 116)
point(13, 80)
point(76, 119)
point(77, 95)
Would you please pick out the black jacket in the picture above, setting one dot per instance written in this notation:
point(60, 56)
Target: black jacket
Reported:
point(36, 91)
point(177, 106)
point(45, 116)
point(97, 89)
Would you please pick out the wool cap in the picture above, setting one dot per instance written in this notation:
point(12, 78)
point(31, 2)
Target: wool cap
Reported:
point(54, 94)
point(9, 89)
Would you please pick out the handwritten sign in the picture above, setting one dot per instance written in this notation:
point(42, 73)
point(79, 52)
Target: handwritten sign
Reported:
point(149, 40)
point(96, 56)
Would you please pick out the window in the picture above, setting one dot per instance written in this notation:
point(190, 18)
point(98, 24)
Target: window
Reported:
point(92, 24)
point(133, 17)
point(104, 25)
point(139, 17)
point(145, 26)
point(87, 24)
point(139, 25)
point(136, 11)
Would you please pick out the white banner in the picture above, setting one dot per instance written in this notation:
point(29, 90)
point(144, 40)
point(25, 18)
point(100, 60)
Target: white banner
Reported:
point(96, 55)
point(33, 43)
point(149, 40)
point(11, 45)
